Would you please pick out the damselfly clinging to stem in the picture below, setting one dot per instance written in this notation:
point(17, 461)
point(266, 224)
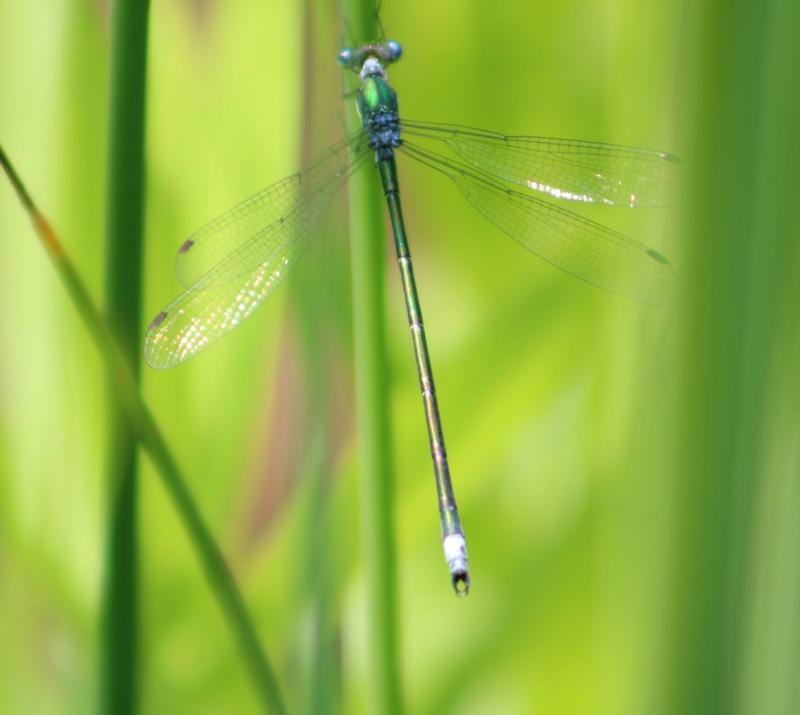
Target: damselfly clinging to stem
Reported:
point(235, 262)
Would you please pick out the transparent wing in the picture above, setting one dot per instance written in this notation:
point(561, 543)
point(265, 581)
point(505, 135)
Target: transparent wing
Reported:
point(229, 293)
point(208, 246)
point(580, 247)
point(574, 170)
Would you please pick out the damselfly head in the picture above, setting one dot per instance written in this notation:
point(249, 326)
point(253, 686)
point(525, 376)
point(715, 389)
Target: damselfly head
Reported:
point(353, 58)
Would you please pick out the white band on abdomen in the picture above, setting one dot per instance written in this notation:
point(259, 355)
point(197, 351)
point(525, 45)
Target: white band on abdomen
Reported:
point(455, 548)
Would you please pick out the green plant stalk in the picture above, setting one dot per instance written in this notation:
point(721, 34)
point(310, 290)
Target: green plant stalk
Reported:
point(149, 436)
point(741, 292)
point(310, 299)
point(368, 248)
point(119, 649)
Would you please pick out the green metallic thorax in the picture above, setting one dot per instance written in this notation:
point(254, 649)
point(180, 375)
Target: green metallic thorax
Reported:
point(375, 96)
point(377, 107)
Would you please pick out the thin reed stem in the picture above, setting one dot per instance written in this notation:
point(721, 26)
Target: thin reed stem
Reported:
point(311, 291)
point(119, 646)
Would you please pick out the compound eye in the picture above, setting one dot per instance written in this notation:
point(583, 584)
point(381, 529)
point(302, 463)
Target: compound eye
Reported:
point(395, 51)
point(345, 57)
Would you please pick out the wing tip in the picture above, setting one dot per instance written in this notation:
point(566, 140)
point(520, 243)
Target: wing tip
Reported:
point(660, 257)
point(155, 322)
point(150, 350)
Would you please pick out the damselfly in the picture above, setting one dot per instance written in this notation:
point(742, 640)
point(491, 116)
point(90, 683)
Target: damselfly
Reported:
point(232, 265)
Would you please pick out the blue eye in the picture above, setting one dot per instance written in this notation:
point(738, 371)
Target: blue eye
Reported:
point(345, 57)
point(395, 50)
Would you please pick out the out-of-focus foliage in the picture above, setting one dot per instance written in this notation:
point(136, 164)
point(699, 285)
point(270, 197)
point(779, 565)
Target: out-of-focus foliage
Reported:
point(558, 400)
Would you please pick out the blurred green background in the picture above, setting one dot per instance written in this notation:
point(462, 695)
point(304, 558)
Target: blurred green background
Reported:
point(627, 475)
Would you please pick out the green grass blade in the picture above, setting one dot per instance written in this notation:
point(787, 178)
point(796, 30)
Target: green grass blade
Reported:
point(738, 319)
point(119, 651)
point(311, 298)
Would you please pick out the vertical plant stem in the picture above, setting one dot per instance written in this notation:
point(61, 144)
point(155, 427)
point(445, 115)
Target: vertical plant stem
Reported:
point(368, 246)
point(147, 432)
point(311, 299)
point(741, 294)
point(119, 650)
